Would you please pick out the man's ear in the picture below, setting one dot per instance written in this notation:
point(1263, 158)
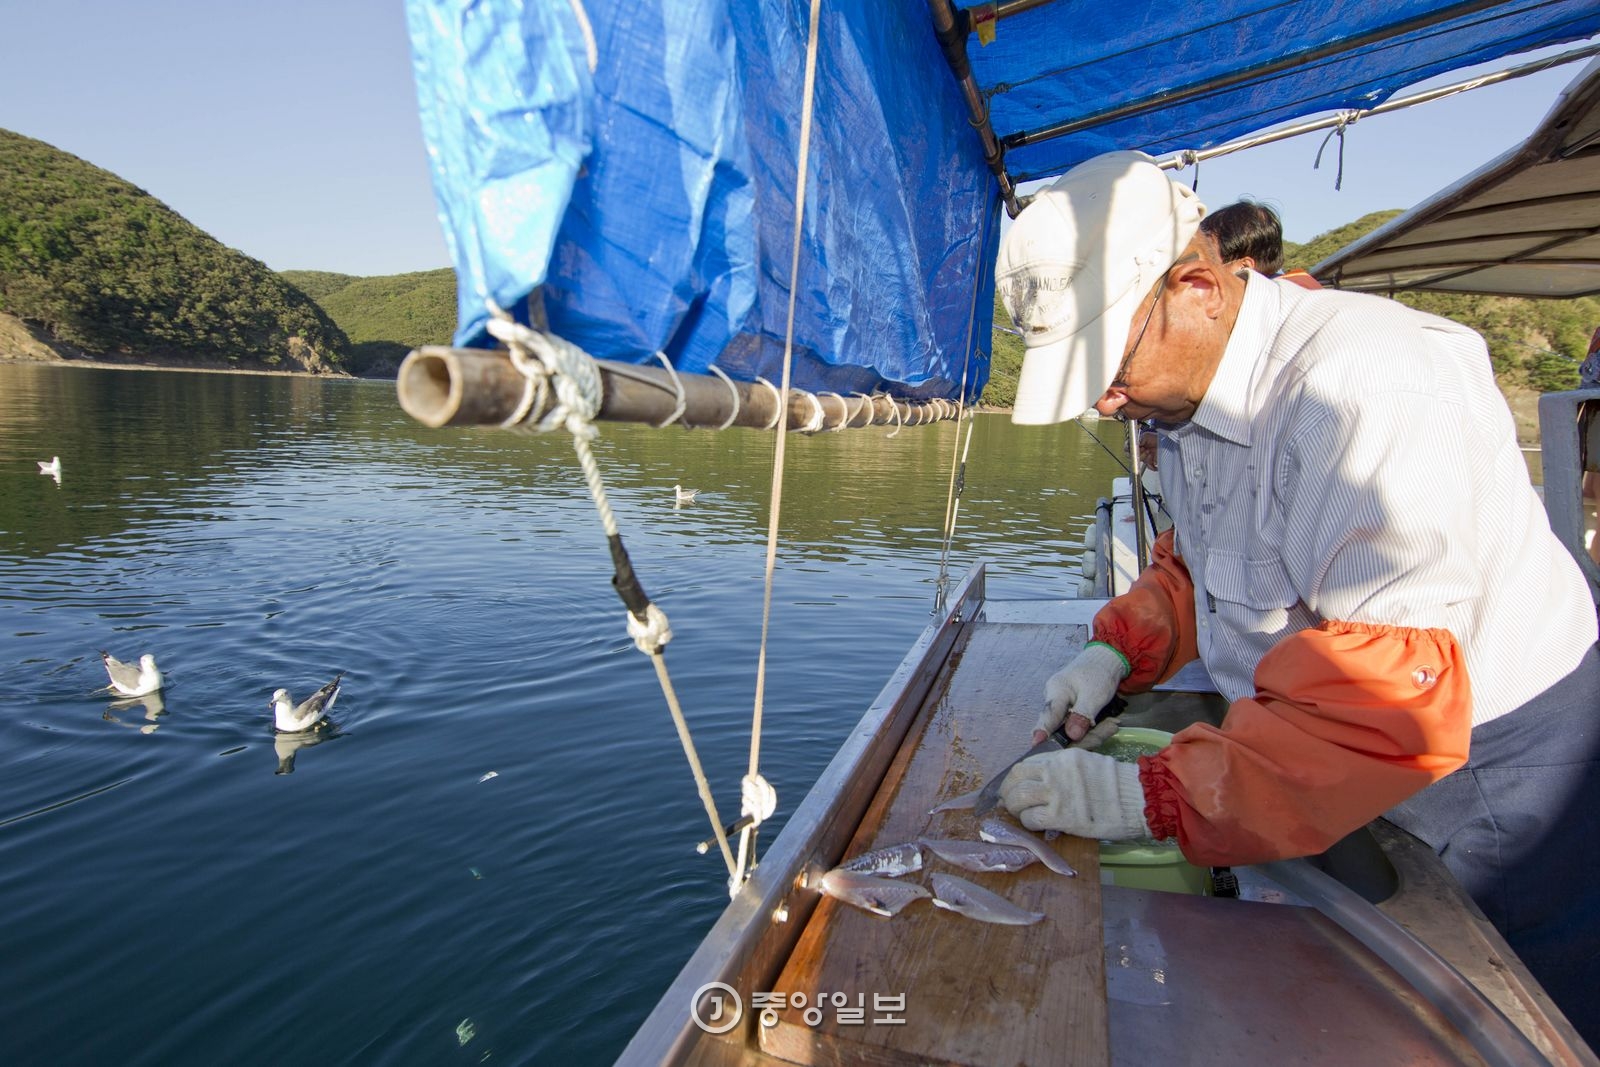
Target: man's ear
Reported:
point(1204, 281)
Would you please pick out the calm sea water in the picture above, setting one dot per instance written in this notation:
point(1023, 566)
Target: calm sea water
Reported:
point(179, 887)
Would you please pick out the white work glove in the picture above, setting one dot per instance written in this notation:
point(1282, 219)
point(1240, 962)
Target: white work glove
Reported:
point(1082, 687)
point(1077, 792)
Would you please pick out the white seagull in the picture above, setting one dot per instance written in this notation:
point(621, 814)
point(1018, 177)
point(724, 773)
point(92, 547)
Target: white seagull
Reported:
point(310, 713)
point(685, 496)
point(53, 468)
point(129, 680)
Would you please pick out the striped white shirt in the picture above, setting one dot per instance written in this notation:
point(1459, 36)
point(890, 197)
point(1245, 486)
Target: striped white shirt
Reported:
point(1353, 460)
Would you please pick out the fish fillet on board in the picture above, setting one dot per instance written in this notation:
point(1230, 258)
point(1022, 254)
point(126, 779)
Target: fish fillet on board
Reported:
point(881, 896)
point(975, 902)
point(980, 855)
point(889, 862)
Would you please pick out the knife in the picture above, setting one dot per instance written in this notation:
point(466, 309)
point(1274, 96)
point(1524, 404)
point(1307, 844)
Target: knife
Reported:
point(1105, 724)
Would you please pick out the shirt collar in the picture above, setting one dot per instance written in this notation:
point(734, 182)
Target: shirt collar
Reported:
point(1226, 408)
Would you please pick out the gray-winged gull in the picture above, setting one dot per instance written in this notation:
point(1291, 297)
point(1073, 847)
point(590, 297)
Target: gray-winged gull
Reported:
point(129, 680)
point(290, 717)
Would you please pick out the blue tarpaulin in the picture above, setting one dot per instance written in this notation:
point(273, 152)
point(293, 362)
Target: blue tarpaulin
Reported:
point(636, 159)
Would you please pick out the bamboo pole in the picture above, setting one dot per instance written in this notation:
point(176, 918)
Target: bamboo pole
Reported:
point(441, 386)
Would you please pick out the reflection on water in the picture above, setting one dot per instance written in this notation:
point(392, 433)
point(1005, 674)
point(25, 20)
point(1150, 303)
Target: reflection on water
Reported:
point(285, 746)
point(248, 529)
point(151, 705)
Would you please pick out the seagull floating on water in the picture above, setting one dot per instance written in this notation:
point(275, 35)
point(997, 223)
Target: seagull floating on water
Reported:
point(685, 496)
point(310, 713)
point(129, 680)
point(53, 468)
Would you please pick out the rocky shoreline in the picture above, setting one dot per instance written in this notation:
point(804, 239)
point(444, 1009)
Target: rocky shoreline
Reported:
point(22, 343)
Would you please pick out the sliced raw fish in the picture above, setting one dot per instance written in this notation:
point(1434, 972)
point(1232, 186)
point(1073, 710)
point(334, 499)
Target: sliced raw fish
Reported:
point(881, 896)
point(1003, 833)
point(889, 861)
point(976, 902)
point(980, 855)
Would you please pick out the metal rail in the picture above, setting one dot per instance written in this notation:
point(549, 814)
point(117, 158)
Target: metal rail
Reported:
point(1499, 1042)
point(1300, 58)
point(1183, 159)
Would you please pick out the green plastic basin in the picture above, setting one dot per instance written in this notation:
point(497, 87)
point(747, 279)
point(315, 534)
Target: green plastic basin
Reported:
point(1157, 865)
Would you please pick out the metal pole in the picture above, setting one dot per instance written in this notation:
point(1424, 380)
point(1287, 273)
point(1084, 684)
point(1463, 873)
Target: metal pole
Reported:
point(1141, 538)
point(1289, 61)
point(951, 30)
point(1179, 160)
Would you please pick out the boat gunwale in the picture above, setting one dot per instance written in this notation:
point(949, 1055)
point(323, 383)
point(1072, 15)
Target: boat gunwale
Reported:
point(748, 945)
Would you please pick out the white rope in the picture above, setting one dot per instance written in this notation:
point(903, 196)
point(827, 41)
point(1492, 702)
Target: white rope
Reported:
point(866, 402)
point(818, 417)
point(677, 383)
point(777, 404)
point(549, 361)
point(651, 635)
point(747, 839)
point(758, 800)
point(535, 389)
point(588, 34)
point(734, 389)
point(845, 405)
point(894, 406)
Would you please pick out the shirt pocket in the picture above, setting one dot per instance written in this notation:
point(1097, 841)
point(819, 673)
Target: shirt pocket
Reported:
point(1250, 596)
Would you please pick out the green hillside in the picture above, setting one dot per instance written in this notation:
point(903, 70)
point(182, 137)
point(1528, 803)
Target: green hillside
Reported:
point(1534, 345)
point(387, 316)
point(93, 262)
point(317, 283)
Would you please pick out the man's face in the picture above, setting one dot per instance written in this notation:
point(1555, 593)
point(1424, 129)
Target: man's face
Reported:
point(1157, 376)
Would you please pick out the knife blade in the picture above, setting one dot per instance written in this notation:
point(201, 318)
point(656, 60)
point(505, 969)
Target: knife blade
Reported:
point(1105, 725)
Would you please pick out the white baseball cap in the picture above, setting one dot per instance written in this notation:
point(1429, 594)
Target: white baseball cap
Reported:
point(1076, 264)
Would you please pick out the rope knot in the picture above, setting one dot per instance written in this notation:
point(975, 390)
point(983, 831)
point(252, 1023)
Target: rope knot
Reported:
point(548, 361)
point(758, 799)
point(652, 633)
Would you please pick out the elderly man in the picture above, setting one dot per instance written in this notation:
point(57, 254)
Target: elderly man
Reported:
point(1358, 558)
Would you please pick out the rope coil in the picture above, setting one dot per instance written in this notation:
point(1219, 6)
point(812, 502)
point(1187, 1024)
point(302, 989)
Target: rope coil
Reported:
point(777, 404)
point(734, 389)
point(818, 418)
point(677, 383)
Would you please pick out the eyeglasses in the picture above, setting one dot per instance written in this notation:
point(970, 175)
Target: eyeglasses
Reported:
point(1161, 288)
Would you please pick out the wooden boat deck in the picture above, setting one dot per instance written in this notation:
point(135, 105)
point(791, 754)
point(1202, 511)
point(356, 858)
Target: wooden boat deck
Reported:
point(980, 994)
point(1111, 975)
point(974, 992)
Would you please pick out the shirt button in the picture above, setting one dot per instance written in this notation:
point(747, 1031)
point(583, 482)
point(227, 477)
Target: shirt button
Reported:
point(1198, 472)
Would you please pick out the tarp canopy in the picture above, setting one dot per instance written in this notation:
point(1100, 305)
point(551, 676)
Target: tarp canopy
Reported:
point(636, 160)
point(1525, 224)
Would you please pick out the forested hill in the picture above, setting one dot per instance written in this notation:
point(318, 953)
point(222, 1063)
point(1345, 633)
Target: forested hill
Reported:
point(93, 262)
point(387, 316)
point(1534, 345)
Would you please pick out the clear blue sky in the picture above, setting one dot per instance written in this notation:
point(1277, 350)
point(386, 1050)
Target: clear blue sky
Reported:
point(288, 129)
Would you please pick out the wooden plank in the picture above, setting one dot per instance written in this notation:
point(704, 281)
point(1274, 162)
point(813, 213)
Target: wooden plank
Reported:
point(974, 993)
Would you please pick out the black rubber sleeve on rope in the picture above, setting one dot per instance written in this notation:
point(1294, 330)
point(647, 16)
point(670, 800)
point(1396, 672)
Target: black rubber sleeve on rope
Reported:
point(625, 582)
